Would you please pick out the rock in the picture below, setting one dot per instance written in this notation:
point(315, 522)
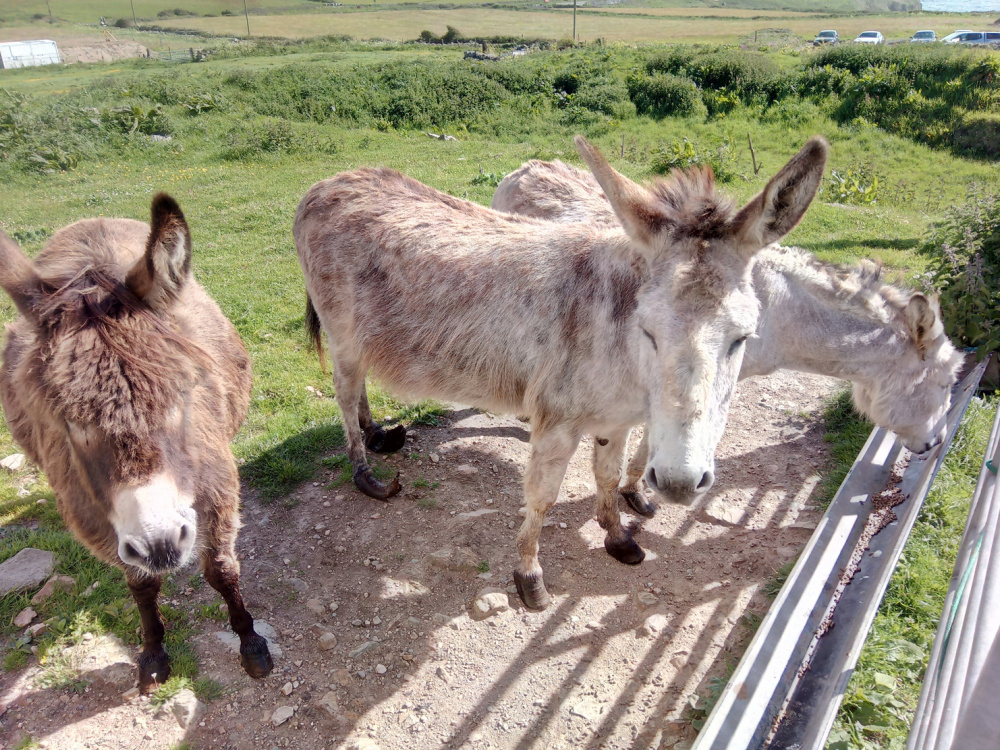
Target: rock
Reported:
point(342, 677)
point(132, 693)
point(725, 512)
point(298, 584)
point(14, 462)
point(24, 617)
point(334, 606)
point(434, 457)
point(442, 673)
point(38, 629)
point(327, 641)
point(316, 607)
point(381, 669)
point(25, 570)
point(263, 629)
point(488, 603)
point(55, 583)
point(318, 629)
point(458, 559)
point(646, 600)
point(466, 470)
point(362, 649)
point(654, 625)
point(362, 743)
point(286, 689)
point(281, 715)
point(476, 513)
point(329, 703)
point(107, 662)
point(186, 708)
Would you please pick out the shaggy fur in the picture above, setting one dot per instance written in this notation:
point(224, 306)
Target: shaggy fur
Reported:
point(121, 368)
point(584, 328)
point(815, 317)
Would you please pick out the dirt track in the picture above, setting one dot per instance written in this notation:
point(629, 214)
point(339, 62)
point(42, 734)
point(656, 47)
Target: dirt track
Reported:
point(597, 669)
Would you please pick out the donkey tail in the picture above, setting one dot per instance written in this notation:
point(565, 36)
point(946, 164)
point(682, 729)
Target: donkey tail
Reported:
point(314, 330)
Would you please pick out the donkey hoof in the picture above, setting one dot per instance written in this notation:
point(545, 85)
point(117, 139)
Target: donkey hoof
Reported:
point(626, 550)
point(387, 441)
point(154, 669)
point(255, 658)
point(532, 591)
point(638, 503)
point(365, 481)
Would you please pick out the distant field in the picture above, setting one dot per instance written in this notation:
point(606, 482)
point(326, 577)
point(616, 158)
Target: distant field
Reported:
point(555, 23)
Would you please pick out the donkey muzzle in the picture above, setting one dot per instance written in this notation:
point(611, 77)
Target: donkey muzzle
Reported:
point(680, 486)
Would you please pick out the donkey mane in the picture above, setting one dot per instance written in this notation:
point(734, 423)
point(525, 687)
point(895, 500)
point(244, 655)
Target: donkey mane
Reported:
point(696, 210)
point(858, 289)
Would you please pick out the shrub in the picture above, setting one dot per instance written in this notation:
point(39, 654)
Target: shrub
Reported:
point(825, 81)
point(124, 23)
point(685, 154)
point(977, 134)
point(966, 270)
point(749, 75)
point(664, 95)
point(607, 98)
point(266, 136)
point(451, 35)
point(857, 185)
point(137, 118)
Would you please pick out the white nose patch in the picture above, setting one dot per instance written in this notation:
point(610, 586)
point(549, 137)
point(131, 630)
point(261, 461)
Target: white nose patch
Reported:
point(156, 525)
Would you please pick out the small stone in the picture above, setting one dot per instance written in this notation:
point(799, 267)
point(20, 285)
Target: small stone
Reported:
point(376, 620)
point(316, 607)
point(299, 585)
point(333, 606)
point(562, 526)
point(489, 602)
point(724, 512)
point(55, 583)
point(281, 715)
point(653, 626)
point(342, 677)
point(476, 513)
point(329, 704)
point(38, 629)
point(381, 669)
point(286, 689)
point(457, 559)
point(466, 470)
point(646, 600)
point(442, 673)
point(186, 708)
point(24, 617)
point(25, 570)
point(363, 648)
point(327, 641)
point(318, 629)
point(340, 548)
point(435, 457)
point(131, 694)
point(588, 709)
point(14, 462)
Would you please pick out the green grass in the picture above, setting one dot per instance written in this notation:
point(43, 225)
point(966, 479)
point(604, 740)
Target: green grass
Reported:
point(846, 432)
point(883, 692)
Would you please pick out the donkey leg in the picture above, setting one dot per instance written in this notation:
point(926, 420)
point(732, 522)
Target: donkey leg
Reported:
point(377, 438)
point(154, 664)
point(350, 383)
point(550, 455)
point(608, 454)
point(632, 490)
point(222, 571)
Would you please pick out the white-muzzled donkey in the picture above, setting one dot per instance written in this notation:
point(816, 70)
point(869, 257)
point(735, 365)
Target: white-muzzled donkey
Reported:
point(584, 329)
point(815, 317)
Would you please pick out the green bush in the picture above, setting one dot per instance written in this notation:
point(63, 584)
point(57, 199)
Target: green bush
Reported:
point(965, 246)
point(266, 136)
point(664, 95)
point(751, 76)
point(825, 81)
point(977, 134)
point(137, 118)
point(858, 185)
point(685, 154)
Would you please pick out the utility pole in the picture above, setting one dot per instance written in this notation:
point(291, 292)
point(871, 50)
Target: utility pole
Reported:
point(246, 13)
point(574, 21)
point(132, 3)
point(49, 8)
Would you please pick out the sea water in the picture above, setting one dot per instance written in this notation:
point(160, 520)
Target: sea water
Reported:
point(961, 6)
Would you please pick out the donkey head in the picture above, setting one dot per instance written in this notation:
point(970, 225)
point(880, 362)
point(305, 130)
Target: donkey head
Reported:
point(912, 397)
point(109, 373)
point(696, 307)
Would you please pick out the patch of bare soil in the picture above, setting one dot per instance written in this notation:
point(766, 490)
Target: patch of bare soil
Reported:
point(612, 663)
point(91, 51)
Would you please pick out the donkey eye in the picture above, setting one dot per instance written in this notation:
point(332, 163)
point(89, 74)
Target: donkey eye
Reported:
point(735, 346)
point(650, 337)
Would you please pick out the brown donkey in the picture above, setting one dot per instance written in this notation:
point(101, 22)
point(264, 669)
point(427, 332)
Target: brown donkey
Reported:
point(125, 382)
point(586, 330)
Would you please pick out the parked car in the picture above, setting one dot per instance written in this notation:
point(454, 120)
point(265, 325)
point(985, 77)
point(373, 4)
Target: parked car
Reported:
point(977, 37)
point(827, 37)
point(924, 36)
point(870, 37)
point(953, 37)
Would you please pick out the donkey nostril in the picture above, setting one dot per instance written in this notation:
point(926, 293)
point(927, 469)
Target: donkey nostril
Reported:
point(131, 551)
point(184, 532)
point(706, 481)
point(651, 477)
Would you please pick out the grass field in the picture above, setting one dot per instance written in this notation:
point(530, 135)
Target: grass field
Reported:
point(634, 26)
point(253, 126)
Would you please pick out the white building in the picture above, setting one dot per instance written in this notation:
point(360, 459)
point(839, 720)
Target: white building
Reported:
point(28, 54)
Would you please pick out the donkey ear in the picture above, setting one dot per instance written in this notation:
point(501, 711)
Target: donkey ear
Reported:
point(776, 210)
point(160, 274)
point(638, 211)
point(18, 277)
point(923, 321)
